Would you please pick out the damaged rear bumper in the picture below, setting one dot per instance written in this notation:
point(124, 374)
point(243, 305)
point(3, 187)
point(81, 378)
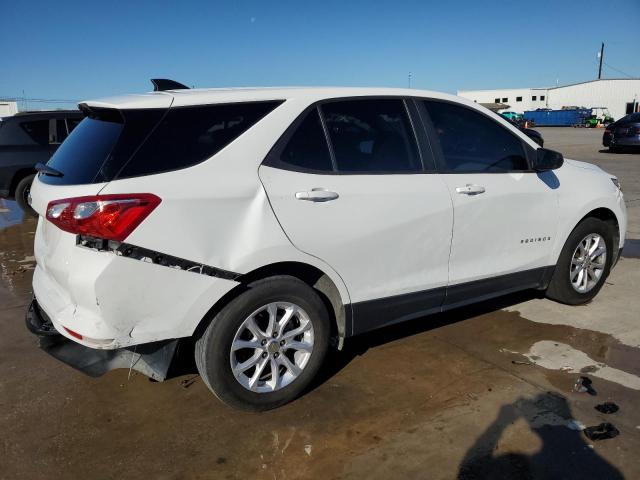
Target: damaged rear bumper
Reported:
point(151, 359)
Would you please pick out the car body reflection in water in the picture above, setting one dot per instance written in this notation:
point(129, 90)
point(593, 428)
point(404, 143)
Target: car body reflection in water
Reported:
point(10, 214)
point(16, 251)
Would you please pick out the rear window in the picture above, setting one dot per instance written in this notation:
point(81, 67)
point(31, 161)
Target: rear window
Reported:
point(100, 145)
point(633, 117)
point(128, 143)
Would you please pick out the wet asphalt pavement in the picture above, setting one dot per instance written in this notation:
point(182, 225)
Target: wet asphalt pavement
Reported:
point(477, 393)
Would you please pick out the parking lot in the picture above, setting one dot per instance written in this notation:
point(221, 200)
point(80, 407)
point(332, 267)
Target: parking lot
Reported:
point(481, 392)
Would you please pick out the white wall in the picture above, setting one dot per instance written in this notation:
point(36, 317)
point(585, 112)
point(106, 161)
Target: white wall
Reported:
point(512, 94)
point(8, 108)
point(613, 94)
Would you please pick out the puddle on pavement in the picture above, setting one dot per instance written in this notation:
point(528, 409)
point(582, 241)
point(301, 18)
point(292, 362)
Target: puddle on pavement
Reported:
point(547, 345)
point(560, 356)
point(10, 214)
point(631, 248)
point(16, 247)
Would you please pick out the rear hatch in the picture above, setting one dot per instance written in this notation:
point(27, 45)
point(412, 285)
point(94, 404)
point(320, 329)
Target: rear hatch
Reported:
point(627, 130)
point(125, 138)
point(93, 154)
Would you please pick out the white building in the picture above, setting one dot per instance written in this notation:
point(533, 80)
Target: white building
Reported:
point(8, 108)
point(619, 95)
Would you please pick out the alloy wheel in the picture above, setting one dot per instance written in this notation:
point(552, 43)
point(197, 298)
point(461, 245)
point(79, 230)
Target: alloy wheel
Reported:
point(588, 263)
point(272, 347)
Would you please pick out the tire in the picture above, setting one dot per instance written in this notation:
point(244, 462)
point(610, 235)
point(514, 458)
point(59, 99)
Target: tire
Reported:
point(561, 288)
point(213, 353)
point(22, 193)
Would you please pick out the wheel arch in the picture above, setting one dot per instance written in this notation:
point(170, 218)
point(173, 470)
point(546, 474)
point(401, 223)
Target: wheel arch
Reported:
point(605, 214)
point(18, 176)
point(321, 282)
point(609, 216)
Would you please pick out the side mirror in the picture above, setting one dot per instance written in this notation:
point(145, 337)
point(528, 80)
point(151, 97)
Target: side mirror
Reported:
point(547, 160)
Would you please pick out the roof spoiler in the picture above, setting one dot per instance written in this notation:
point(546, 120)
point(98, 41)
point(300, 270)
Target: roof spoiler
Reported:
point(162, 84)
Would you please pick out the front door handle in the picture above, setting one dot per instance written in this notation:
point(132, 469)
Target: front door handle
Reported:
point(317, 195)
point(470, 189)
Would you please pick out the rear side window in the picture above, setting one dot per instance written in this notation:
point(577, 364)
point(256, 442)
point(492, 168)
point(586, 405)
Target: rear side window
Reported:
point(38, 131)
point(472, 142)
point(307, 148)
point(112, 144)
point(371, 136)
point(189, 135)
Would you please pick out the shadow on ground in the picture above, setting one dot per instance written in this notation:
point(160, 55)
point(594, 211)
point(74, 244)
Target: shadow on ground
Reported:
point(184, 363)
point(564, 452)
point(624, 150)
point(359, 345)
point(631, 248)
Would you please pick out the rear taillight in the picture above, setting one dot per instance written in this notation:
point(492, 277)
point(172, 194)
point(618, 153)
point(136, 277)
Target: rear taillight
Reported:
point(112, 217)
point(607, 130)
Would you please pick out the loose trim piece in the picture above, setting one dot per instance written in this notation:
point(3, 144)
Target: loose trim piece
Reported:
point(153, 256)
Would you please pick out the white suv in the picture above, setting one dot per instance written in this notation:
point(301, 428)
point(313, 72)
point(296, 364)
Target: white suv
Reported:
point(268, 223)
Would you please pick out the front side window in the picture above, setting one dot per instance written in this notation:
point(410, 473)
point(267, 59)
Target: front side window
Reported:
point(472, 142)
point(371, 136)
point(307, 148)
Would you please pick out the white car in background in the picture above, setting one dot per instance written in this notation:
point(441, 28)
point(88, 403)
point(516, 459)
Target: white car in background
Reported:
point(268, 223)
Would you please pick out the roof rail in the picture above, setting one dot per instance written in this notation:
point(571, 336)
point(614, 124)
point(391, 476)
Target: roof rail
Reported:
point(162, 84)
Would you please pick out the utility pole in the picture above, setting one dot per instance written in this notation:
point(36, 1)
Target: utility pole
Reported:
point(409, 79)
point(601, 58)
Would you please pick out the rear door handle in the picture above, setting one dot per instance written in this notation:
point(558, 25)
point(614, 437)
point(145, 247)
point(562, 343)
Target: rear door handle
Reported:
point(317, 195)
point(470, 189)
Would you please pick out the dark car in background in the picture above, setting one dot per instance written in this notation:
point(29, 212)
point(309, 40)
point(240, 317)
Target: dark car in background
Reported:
point(25, 140)
point(625, 133)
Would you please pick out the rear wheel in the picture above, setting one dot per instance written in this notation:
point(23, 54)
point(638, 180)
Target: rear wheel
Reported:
point(22, 195)
point(584, 263)
point(265, 347)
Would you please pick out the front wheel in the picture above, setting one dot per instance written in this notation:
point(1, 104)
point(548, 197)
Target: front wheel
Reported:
point(265, 347)
point(584, 263)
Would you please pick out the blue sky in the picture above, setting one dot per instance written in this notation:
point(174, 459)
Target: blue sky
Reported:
point(77, 50)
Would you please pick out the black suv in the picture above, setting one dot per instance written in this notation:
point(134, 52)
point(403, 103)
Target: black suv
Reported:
point(26, 139)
